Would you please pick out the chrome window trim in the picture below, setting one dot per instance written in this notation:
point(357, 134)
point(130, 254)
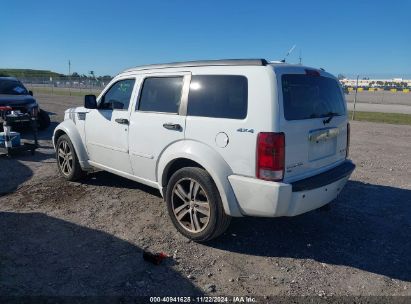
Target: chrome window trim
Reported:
point(184, 95)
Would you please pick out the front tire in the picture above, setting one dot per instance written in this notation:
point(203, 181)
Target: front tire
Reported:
point(194, 205)
point(67, 160)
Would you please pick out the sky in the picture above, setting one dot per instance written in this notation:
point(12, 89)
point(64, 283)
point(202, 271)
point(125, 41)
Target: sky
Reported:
point(369, 38)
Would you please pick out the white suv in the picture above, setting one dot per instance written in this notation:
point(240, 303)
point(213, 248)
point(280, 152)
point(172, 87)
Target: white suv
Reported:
point(218, 139)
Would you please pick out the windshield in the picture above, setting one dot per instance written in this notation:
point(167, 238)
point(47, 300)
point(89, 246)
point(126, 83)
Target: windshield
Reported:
point(12, 87)
point(308, 96)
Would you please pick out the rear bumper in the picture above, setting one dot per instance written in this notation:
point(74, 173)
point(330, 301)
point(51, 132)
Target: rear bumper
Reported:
point(272, 199)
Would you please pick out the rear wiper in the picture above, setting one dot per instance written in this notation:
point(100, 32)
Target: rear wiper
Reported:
point(330, 116)
point(314, 116)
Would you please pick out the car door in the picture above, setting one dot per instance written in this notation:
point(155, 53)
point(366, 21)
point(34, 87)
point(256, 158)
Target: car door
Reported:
point(156, 122)
point(107, 128)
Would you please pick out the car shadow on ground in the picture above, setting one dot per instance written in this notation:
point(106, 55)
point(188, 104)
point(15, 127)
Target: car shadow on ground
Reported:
point(42, 255)
point(368, 227)
point(46, 134)
point(13, 172)
point(107, 179)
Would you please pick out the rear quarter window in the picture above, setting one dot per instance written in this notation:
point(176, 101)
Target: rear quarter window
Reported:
point(310, 96)
point(220, 96)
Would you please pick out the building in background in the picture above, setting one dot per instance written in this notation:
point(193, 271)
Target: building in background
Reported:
point(377, 83)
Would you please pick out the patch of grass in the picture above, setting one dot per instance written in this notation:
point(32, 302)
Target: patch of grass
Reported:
point(391, 118)
point(64, 91)
point(29, 73)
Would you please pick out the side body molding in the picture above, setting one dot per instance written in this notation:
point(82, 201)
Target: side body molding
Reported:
point(68, 127)
point(210, 160)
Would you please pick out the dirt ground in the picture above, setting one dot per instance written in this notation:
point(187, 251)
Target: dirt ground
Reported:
point(61, 238)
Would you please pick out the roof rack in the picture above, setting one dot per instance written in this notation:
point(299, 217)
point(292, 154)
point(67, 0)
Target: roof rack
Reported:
point(223, 62)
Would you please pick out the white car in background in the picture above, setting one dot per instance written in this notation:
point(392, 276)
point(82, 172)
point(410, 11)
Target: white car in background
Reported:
point(219, 139)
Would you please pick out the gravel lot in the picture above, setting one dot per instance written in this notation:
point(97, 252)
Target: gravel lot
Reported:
point(61, 238)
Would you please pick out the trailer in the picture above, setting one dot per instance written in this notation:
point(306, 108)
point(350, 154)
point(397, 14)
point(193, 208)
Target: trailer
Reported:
point(10, 142)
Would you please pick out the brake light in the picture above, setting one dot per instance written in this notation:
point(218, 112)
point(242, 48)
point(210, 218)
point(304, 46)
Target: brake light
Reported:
point(270, 156)
point(4, 110)
point(347, 149)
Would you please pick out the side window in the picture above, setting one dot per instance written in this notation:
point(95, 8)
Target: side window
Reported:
point(118, 96)
point(161, 94)
point(223, 96)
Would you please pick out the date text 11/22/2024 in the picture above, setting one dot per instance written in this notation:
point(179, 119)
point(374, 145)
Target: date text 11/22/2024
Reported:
point(204, 299)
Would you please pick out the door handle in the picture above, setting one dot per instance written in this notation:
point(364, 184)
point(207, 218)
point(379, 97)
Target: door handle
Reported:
point(122, 121)
point(172, 126)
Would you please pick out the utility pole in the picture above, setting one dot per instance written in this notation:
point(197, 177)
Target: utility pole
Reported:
point(301, 60)
point(69, 66)
point(91, 76)
point(355, 98)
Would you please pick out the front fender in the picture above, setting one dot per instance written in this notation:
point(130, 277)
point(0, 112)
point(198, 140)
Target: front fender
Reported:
point(210, 160)
point(69, 128)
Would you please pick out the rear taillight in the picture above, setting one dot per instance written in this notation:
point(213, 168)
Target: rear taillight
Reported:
point(270, 156)
point(347, 149)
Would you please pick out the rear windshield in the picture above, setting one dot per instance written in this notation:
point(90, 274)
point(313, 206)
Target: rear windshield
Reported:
point(12, 87)
point(311, 96)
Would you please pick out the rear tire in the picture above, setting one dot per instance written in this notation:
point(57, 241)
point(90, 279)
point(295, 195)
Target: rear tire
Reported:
point(43, 120)
point(194, 205)
point(67, 160)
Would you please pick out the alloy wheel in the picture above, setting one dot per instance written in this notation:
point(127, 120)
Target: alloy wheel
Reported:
point(65, 158)
point(190, 205)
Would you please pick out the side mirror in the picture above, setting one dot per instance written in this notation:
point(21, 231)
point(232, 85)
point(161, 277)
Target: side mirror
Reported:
point(31, 93)
point(90, 102)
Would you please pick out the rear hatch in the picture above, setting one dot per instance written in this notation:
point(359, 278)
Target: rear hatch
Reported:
point(313, 116)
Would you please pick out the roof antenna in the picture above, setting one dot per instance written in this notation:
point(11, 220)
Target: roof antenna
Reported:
point(288, 53)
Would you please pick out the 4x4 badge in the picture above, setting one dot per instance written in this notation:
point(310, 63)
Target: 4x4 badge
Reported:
point(245, 130)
